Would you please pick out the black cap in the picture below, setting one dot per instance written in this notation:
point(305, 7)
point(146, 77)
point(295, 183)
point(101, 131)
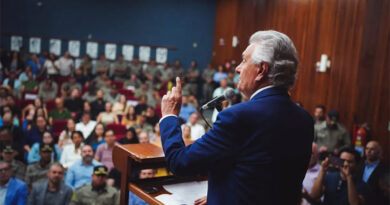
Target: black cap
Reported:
point(100, 170)
point(45, 148)
point(8, 149)
point(333, 115)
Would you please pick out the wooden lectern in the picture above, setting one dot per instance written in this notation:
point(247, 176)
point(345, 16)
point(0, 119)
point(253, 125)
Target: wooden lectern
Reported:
point(128, 158)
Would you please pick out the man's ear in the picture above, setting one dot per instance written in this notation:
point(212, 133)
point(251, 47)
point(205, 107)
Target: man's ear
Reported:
point(262, 71)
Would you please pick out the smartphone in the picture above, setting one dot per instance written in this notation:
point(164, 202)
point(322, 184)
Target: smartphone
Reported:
point(335, 161)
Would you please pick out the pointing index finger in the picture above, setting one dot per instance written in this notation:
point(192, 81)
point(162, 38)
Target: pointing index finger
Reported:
point(178, 84)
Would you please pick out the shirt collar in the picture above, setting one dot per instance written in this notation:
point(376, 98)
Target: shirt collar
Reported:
point(261, 89)
point(372, 164)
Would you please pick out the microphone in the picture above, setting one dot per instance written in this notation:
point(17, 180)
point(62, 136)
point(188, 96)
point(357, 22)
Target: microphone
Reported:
point(228, 94)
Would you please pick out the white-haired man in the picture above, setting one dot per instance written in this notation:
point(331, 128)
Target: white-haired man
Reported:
point(257, 152)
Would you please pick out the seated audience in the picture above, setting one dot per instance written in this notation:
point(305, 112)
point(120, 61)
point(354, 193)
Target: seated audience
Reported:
point(186, 132)
point(96, 137)
point(70, 85)
point(141, 106)
point(53, 190)
point(372, 169)
point(51, 66)
point(104, 150)
point(130, 137)
point(223, 86)
point(47, 89)
point(14, 65)
point(143, 174)
point(112, 96)
point(99, 104)
point(18, 167)
point(151, 117)
point(197, 130)
point(107, 116)
point(342, 187)
point(143, 138)
point(65, 64)
point(60, 113)
point(186, 109)
point(129, 118)
point(208, 86)
point(142, 125)
point(72, 153)
point(30, 84)
point(86, 125)
point(37, 171)
point(86, 66)
point(90, 95)
point(132, 83)
point(332, 136)
point(97, 191)
point(120, 106)
point(35, 134)
point(80, 172)
point(33, 155)
point(13, 84)
point(6, 138)
point(74, 103)
point(156, 135)
point(102, 65)
point(65, 136)
point(36, 64)
point(13, 191)
point(319, 117)
point(311, 177)
point(219, 75)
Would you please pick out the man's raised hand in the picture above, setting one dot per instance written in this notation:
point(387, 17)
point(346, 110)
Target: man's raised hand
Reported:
point(171, 102)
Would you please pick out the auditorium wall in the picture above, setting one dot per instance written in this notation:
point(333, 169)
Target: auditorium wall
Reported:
point(171, 23)
point(355, 34)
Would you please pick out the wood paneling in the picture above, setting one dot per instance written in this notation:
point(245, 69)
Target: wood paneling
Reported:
point(353, 33)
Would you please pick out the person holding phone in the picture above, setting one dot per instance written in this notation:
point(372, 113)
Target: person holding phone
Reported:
point(343, 187)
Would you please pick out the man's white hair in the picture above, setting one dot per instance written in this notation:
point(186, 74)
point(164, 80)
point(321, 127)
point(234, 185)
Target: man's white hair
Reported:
point(279, 52)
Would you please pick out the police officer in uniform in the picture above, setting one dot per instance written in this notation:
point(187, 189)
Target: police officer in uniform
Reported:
point(97, 192)
point(37, 171)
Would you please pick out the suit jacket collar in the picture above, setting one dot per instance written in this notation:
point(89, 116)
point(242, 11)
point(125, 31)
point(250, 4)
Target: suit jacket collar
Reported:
point(270, 92)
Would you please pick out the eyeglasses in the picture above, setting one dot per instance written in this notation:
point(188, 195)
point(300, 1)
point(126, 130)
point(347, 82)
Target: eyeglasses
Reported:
point(4, 169)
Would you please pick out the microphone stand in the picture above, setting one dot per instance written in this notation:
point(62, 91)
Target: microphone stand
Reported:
point(200, 110)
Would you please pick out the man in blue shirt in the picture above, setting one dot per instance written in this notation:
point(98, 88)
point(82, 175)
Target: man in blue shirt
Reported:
point(12, 190)
point(186, 109)
point(372, 169)
point(80, 172)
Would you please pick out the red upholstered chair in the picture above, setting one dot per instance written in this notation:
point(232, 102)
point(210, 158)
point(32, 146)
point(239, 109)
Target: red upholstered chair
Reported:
point(50, 105)
point(128, 93)
point(58, 126)
point(119, 130)
point(119, 84)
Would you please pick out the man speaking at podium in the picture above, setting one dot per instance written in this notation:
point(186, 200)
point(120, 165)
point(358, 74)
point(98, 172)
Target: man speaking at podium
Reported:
point(257, 151)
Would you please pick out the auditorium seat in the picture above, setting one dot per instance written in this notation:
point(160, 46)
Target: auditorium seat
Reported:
point(58, 127)
point(128, 93)
point(119, 84)
point(50, 105)
point(119, 130)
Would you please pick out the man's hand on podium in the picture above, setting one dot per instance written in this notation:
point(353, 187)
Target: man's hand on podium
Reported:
point(201, 201)
point(171, 102)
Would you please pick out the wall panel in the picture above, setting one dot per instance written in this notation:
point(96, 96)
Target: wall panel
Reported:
point(353, 33)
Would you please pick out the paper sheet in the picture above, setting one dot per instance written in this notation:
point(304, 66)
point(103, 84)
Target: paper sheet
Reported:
point(128, 52)
point(183, 193)
point(110, 51)
point(144, 53)
point(161, 55)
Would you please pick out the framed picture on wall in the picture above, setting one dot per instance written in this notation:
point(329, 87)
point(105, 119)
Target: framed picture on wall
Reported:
point(161, 55)
point(110, 51)
point(74, 48)
point(55, 46)
point(16, 43)
point(144, 53)
point(92, 49)
point(128, 52)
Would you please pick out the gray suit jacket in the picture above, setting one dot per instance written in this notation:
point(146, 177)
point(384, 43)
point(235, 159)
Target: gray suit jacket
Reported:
point(39, 190)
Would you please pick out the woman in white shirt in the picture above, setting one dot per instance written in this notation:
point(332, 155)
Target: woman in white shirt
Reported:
point(50, 66)
point(72, 153)
point(65, 136)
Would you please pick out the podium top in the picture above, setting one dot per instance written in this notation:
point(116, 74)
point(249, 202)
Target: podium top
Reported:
point(141, 152)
